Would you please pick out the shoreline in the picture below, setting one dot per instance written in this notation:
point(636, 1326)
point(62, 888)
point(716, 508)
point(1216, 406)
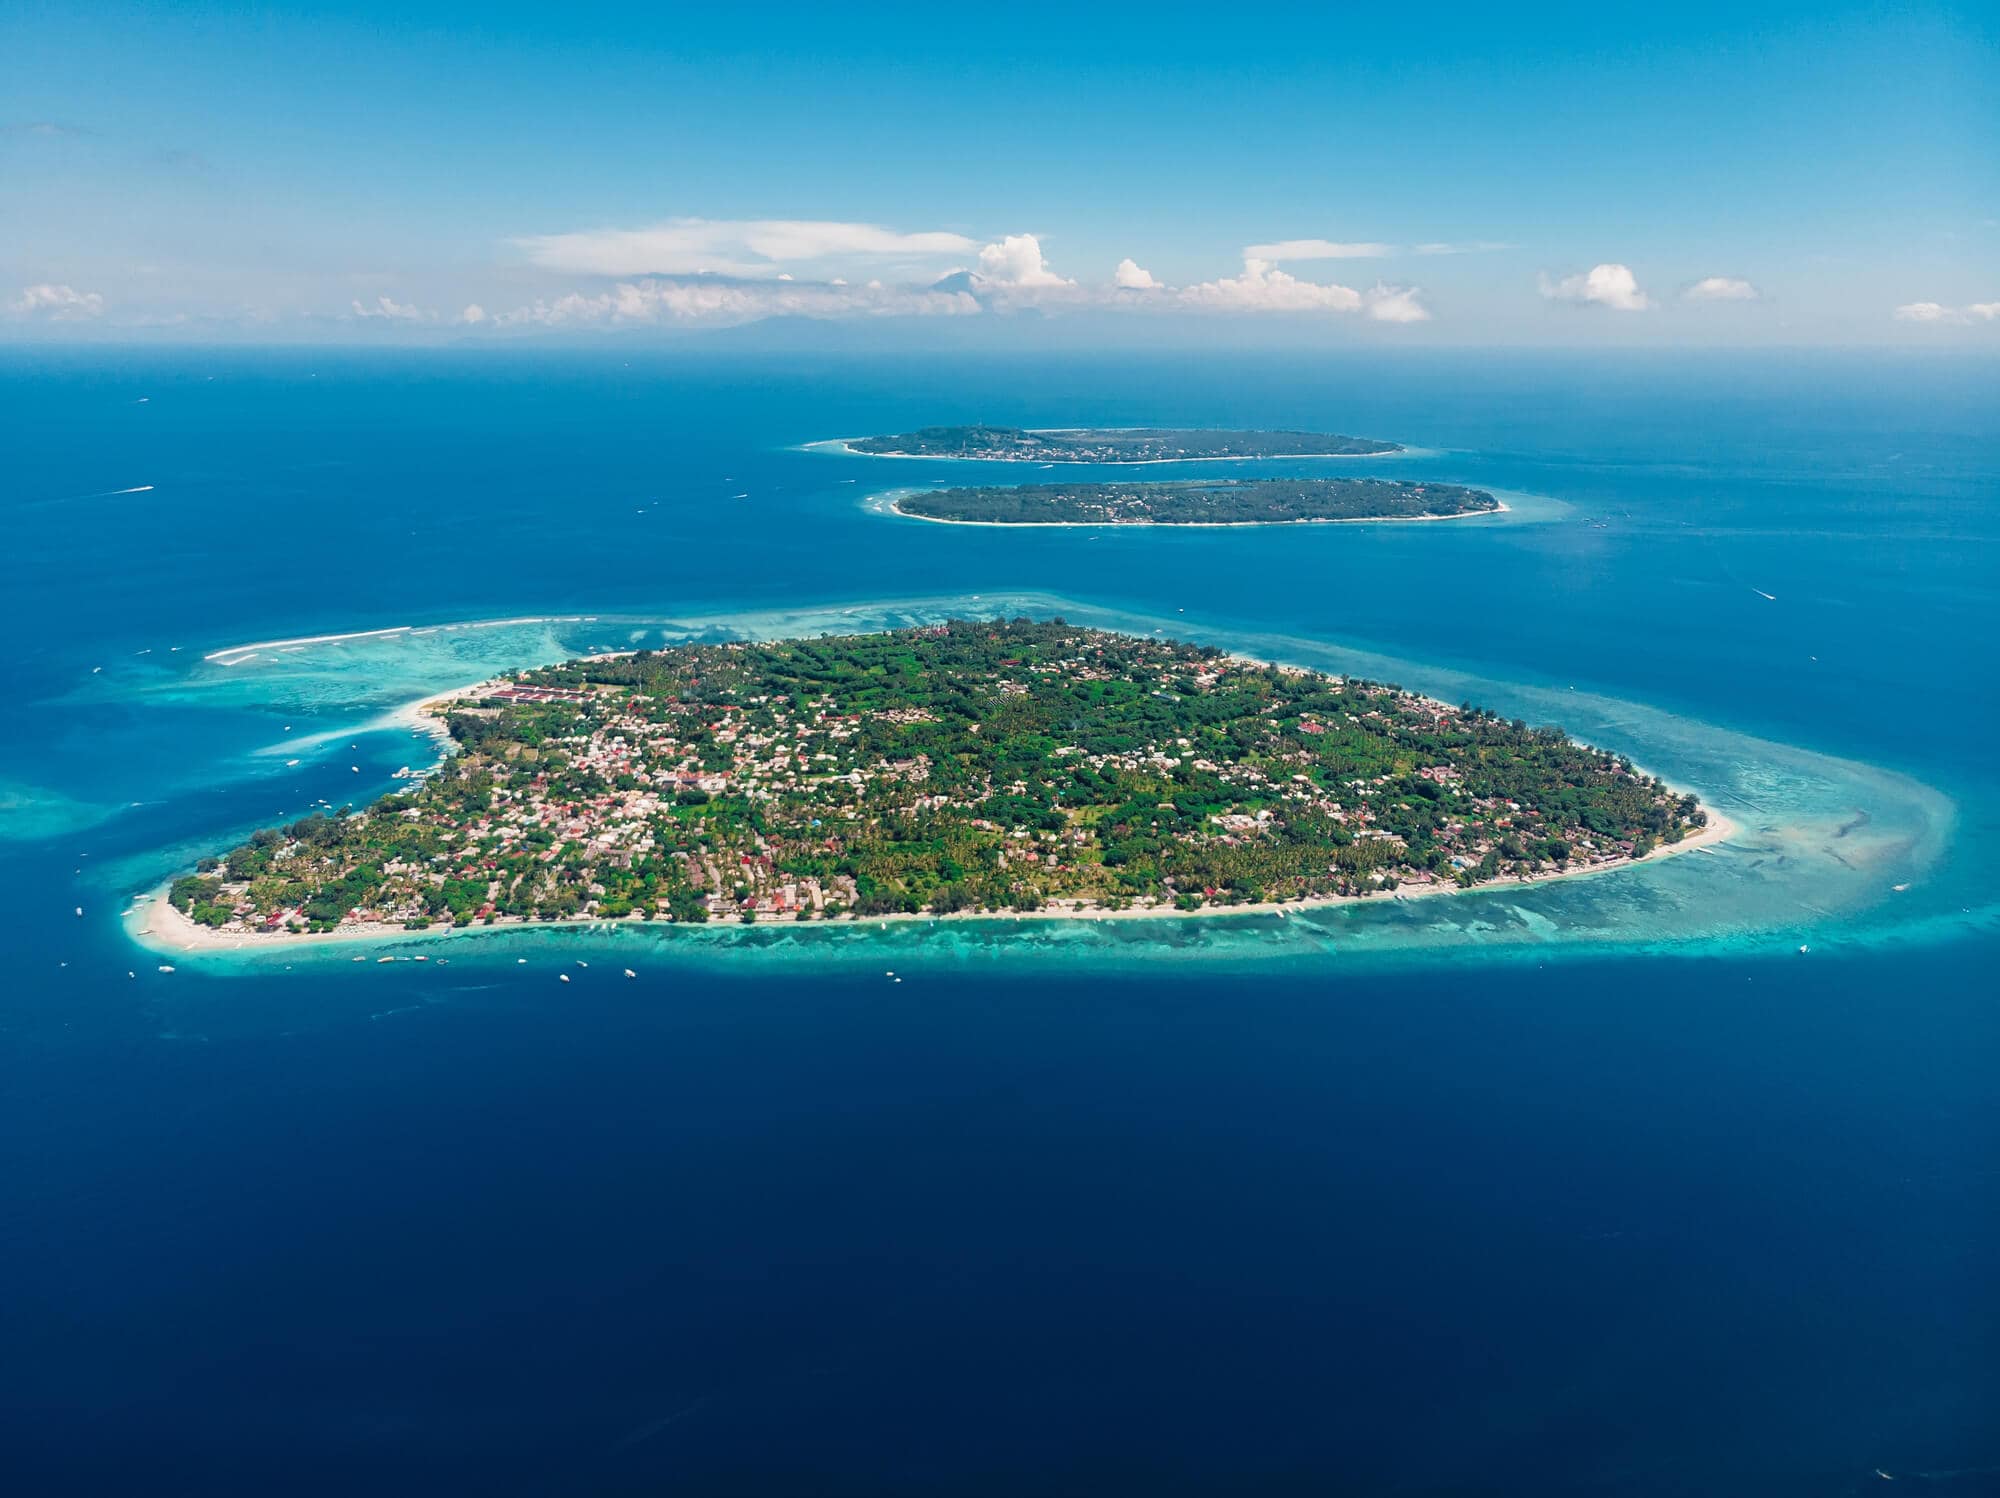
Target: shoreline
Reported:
point(1500, 507)
point(843, 444)
point(173, 933)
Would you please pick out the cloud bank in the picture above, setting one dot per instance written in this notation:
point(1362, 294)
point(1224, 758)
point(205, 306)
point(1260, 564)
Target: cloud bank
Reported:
point(1264, 288)
point(56, 303)
point(744, 248)
point(1937, 312)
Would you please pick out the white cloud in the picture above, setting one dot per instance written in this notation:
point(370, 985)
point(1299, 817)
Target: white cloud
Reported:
point(1469, 247)
point(58, 303)
point(390, 310)
point(1938, 312)
point(1610, 285)
point(746, 248)
point(473, 314)
point(1397, 304)
point(1722, 289)
point(1016, 260)
point(715, 303)
point(1316, 249)
point(1132, 276)
point(1264, 288)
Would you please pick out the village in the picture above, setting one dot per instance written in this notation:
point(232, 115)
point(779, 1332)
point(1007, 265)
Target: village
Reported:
point(931, 773)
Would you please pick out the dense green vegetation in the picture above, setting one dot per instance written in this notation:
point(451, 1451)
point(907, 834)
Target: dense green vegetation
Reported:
point(967, 766)
point(1114, 444)
point(1199, 502)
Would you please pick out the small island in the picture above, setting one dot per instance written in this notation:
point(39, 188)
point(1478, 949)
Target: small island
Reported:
point(1113, 445)
point(1198, 502)
point(964, 768)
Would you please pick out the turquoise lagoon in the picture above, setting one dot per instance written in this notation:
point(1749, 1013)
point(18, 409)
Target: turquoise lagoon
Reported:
point(1824, 849)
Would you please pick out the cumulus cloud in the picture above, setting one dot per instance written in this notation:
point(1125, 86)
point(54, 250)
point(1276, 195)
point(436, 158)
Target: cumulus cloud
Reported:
point(1397, 304)
point(1721, 289)
point(1938, 312)
point(1264, 288)
point(1132, 276)
point(743, 248)
point(472, 315)
point(1609, 285)
point(1016, 260)
point(388, 309)
point(1317, 249)
point(56, 303)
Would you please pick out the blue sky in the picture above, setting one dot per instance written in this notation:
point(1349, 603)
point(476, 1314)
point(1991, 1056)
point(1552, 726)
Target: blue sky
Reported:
point(1419, 174)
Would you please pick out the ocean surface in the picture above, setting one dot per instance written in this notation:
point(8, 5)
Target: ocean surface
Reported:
point(1683, 1180)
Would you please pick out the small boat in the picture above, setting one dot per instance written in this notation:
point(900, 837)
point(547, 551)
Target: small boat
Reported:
point(1803, 950)
point(581, 963)
point(289, 763)
point(385, 959)
point(630, 974)
point(358, 959)
point(420, 959)
point(355, 768)
point(563, 976)
point(166, 967)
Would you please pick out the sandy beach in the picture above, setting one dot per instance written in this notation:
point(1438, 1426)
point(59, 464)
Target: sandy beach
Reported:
point(159, 927)
point(1499, 508)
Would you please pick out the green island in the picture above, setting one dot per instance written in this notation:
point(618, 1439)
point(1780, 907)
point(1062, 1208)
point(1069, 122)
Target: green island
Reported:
point(1198, 502)
point(1113, 444)
point(966, 767)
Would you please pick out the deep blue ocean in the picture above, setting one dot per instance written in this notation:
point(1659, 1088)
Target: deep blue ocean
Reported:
point(1609, 1190)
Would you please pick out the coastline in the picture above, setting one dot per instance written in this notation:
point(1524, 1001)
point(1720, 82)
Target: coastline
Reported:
point(172, 933)
point(843, 444)
point(1500, 507)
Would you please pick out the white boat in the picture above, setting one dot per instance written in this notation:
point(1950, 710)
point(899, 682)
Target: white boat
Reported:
point(166, 967)
point(563, 976)
point(630, 974)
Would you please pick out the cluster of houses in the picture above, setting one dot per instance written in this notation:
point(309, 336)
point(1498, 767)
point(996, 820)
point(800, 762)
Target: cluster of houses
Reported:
point(624, 794)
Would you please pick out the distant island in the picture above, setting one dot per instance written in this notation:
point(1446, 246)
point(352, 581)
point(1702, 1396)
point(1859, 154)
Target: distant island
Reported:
point(1113, 445)
point(1198, 502)
point(969, 767)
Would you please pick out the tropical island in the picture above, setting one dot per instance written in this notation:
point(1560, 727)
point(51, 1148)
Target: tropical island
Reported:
point(963, 768)
point(1198, 502)
point(1112, 445)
